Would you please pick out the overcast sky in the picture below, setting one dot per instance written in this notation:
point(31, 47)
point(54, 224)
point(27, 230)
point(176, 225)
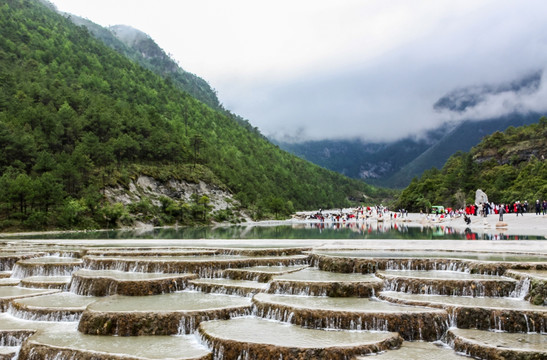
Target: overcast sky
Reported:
point(370, 69)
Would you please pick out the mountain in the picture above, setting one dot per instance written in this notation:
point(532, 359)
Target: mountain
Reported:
point(461, 138)
point(79, 121)
point(396, 163)
point(361, 160)
point(508, 166)
point(139, 47)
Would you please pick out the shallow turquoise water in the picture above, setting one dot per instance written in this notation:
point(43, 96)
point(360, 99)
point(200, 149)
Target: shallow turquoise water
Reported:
point(298, 231)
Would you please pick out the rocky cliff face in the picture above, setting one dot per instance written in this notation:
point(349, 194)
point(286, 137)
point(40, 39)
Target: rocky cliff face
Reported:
point(148, 187)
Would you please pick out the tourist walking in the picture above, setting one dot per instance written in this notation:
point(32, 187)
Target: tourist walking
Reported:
point(538, 207)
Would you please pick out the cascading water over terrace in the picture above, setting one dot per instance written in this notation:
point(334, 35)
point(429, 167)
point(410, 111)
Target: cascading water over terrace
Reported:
point(265, 303)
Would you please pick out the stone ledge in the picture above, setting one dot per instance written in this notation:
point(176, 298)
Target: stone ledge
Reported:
point(457, 287)
point(84, 282)
point(203, 267)
point(414, 324)
point(332, 289)
point(234, 347)
point(494, 346)
point(474, 316)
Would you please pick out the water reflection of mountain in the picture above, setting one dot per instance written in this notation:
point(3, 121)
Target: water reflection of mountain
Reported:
point(390, 230)
point(303, 230)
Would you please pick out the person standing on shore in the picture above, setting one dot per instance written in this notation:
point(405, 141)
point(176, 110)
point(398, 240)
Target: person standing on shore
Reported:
point(501, 211)
point(518, 208)
point(538, 207)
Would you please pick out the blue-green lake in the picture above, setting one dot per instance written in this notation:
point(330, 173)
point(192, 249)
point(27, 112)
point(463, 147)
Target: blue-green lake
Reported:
point(292, 231)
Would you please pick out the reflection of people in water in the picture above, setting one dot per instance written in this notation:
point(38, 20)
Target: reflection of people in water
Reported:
point(370, 229)
point(467, 219)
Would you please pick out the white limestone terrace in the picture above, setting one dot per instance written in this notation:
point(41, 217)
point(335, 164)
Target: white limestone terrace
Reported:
point(537, 247)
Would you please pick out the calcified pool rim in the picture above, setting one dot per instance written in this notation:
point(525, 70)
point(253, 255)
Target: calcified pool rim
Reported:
point(232, 247)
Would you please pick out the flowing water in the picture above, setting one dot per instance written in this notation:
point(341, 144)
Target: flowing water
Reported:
point(148, 347)
point(184, 301)
point(271, 299)
point(482, 302)
point(297, 231)
point(257, 330)
point(316, 275)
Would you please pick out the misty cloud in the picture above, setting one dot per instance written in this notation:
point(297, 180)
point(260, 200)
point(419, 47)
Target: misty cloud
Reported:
point(493, 59)
point(508, 100)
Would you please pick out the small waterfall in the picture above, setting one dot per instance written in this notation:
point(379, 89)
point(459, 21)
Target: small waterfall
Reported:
point(187, 325)
point(55, 315)
point(452, 317)
point(498, 322)
point(521, 289)
point(14, 338)
point(21, 272)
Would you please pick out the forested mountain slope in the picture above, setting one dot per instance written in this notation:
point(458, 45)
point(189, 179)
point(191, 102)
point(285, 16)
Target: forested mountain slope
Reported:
point(76, 117)
point(143, 50)
point(508, 166)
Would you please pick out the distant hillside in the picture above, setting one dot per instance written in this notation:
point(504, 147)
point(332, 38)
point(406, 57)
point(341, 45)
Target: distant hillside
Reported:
point(79, 120)
point(462, 138)
point(361, 160)
point(508, 166)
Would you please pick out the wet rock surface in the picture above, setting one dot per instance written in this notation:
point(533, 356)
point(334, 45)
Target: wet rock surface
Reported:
point(260, 273)
point(366, 265)
point(418, 350)
point(46, 282)
point(314, 282)
point(207, 266)
point(8, 352)
point(228, 286)
point(45, 266)
point(260, 294)
point(177, 313)
point(447, 283)
point(353, 314)
point(492, 345)
point(68, 343)
point(9, 293)
point(113, 282)
point(272, 340)
point(512, 315)
point(62, 306)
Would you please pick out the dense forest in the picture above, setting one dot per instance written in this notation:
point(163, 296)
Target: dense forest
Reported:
point(77, 116)
point(509, 166)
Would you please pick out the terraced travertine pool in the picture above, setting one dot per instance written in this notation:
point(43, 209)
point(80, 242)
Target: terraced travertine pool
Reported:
point(87, 299)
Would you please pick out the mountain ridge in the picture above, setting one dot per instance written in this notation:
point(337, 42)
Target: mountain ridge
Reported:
point(77, 117)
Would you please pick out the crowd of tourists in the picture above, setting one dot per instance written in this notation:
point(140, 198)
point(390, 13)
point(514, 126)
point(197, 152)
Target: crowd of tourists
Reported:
point(518, 208)
point(361, 213)
point(380, 212)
